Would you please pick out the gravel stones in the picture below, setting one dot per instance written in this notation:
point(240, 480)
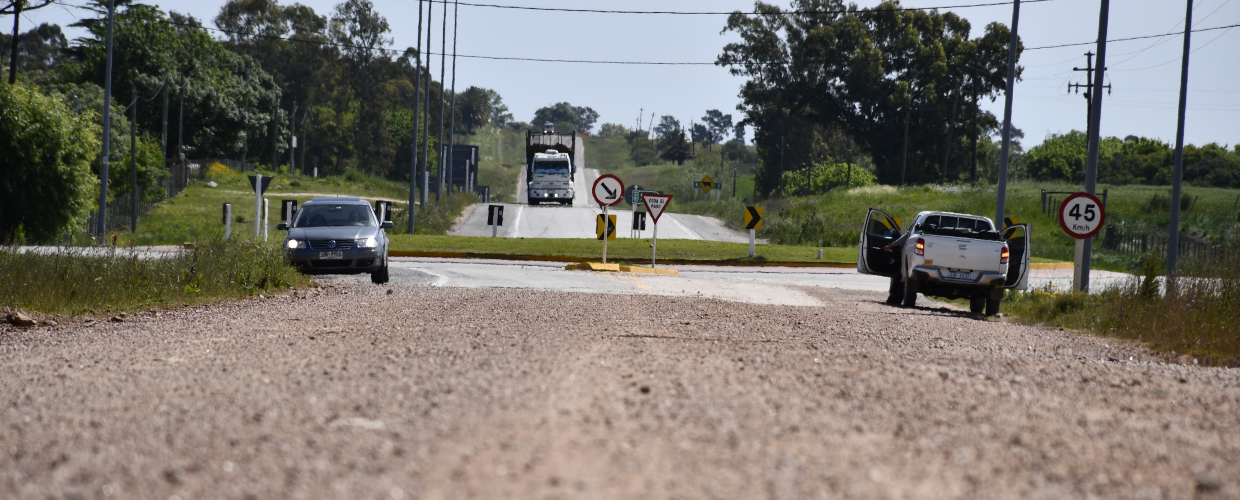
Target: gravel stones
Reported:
point(505, 393)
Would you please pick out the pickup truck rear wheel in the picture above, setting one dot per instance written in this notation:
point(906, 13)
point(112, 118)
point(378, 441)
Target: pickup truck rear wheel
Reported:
point(911, 286)
point(992, 305)
point(977, 304)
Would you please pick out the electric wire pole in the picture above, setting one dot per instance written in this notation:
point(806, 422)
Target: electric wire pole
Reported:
point(452, 126)
point(1007, 115)
point(1173, 239)
point(426, 144)
point(443, 63)
point(1089, 87)
point(413, 146)
point(107, 128)
point(1095, 120)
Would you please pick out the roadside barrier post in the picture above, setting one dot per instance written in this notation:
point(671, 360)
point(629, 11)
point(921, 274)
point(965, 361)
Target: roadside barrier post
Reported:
point(227, 220)
point(751, 237)
point(266, 212)
point(258, 203)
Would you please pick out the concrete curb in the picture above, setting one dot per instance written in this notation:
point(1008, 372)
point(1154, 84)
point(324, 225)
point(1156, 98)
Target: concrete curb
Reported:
point(617, 268)
point(649, 270)
point(670, 262)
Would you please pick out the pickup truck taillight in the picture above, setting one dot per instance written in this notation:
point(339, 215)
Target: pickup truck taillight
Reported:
point(1003, 257)
point(920, 249)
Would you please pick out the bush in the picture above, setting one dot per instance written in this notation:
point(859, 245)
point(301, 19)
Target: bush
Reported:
point(78, 280)
point(47, 186)
point(827, 175)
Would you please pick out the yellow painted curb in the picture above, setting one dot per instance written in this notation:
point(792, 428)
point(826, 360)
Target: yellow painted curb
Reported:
point(593, 266)
point(647, 270)
point(1057, 265)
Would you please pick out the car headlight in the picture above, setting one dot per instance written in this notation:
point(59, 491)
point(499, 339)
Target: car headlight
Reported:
point(368, 243)
point(295, 244)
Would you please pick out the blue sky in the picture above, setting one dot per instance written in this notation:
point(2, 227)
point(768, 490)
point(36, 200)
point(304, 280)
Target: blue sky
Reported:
point(1145, 74)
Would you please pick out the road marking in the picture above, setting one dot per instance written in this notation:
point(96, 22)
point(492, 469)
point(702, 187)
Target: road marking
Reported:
point(639, 283)
point(517, 224)
point(693, 234)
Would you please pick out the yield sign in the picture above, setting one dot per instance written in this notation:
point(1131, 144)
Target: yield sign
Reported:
point(608, 190)
point(706, 184)
point(655, 204)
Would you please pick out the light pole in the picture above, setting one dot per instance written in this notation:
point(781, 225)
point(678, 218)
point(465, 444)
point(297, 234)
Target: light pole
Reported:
point(107, 128)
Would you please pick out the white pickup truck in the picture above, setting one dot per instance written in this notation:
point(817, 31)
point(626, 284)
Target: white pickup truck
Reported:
point(947, 255)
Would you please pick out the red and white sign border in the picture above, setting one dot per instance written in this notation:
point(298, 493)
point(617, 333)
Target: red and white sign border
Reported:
point(594, 190)
point(1102, 213)
point(653, 215)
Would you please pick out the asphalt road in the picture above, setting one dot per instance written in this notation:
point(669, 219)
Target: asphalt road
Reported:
point(578, 221)
point(358, 391)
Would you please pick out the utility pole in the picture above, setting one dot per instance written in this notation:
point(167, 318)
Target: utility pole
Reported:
point(413, 137)
point(1007, 115)
point(305, 119)
point(452, 127)
point(181, 131)
point(292, 130)
point(163, 135)
point(443, 63)
point(426, 145)
point(973, 156)
point(780, 192)
point(1088, 86)
point(1173, 239)
point(107, 127)
point(133, 160)
point(275, 128)
point(904, 155)
point(947, 149)
point(1091, 158)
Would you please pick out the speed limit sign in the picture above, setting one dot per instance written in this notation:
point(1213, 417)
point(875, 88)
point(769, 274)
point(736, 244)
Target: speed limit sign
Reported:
point(1081, 215)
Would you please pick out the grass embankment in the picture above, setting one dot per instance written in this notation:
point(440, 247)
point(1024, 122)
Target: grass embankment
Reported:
point(197, 213)
point(498, 146)
point(78, 281)
point(620, 249)
point(1200, 319)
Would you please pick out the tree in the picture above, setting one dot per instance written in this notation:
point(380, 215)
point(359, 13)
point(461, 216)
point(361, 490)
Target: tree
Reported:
point(39, 49)
point(612, 130)
point(738, 132)
point(46, 185)
point(499, 111)
point(677, 149)
point(717, 125)
point(475, 108)
point(668, 129)
point(16, 8)
point(824, 65)
point(581, 119)
point(359, 30)
point(700, 133)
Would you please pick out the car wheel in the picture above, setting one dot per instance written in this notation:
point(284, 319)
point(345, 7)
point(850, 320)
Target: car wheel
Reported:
point(910, 292)
point(381, 276)
point(992, 305)
point(977, 303)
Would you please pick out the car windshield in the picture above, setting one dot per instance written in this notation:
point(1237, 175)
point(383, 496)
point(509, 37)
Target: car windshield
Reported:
point(335, 215)
point(551, 167)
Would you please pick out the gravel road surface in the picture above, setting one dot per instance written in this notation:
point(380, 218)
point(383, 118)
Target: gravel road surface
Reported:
point(414, 391)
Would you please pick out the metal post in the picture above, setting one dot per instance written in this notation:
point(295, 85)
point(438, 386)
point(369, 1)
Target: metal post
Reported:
point(413, 137)
point(163, 135)
point(443, 63)
point(751, 241)
point(258, 202)
point(227, 220)
point(1095, 120)
point(452, 128)
point(1007, 114)
point(266, 213)
point(133, 161)
point(426, 145)
point(904, 155)
point(1173, 237)
point(292, 132)
point(107, 128)
point(275, 130)
point(654, 244)
point(605, 221)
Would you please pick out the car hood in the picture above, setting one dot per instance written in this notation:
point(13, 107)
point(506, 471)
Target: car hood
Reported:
point(333, 233)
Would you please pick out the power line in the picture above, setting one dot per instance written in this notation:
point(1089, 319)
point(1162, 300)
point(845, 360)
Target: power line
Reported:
point(1131, 38)
point(721, 13)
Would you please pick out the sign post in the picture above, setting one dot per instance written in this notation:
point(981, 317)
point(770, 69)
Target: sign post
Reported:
point(1081, 216)
point(608, 190)
point(655, 205)
point(753, 222)
point(259, 183)
point(495, 218)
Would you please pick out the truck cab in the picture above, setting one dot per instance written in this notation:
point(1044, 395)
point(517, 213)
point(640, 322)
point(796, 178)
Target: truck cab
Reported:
point(946, 254)
point(551, 178)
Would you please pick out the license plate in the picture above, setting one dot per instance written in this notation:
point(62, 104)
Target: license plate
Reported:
point(337, 255)
point(960, 275)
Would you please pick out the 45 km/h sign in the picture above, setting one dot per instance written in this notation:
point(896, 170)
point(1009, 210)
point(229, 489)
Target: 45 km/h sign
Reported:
point(1081, 215)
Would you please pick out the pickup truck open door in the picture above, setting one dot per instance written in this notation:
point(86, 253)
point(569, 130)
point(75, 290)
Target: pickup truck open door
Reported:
point(1017, 238)
point(879, 231)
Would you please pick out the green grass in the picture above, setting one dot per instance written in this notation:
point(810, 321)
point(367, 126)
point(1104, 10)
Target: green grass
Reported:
point(197, 213)
point(498, 146)
point(70, 282)
point(619, 249)
point(1200, 320)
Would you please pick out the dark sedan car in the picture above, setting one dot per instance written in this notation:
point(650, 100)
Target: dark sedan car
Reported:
point(338, 236)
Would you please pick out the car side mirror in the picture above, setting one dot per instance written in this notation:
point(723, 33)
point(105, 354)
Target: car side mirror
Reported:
point(387, 224)
point(282, 227)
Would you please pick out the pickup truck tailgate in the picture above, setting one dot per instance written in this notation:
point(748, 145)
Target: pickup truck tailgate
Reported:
point(963, 253)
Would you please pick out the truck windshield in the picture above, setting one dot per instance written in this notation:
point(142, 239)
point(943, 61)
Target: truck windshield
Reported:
point(335, 215)
point(551, 167)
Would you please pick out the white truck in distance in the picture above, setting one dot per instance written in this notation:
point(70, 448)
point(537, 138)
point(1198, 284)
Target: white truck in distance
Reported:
point(549, 168)
point(947, 255)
